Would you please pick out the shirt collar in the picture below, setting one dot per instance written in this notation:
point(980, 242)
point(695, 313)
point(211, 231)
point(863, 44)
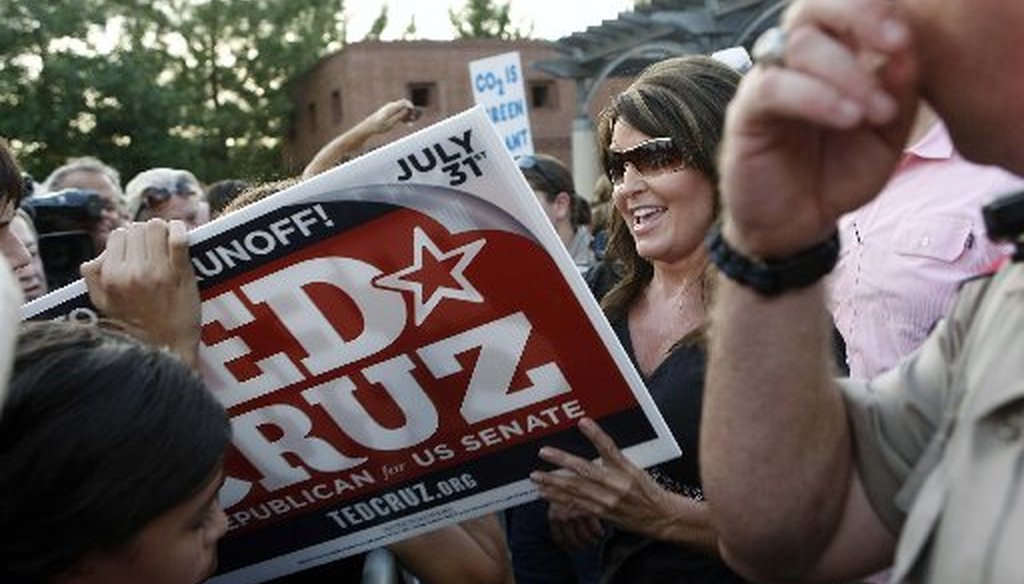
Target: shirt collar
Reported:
point(935, 144)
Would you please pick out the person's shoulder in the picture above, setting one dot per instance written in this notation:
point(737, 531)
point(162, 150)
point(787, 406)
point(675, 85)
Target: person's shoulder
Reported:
point(989, 292)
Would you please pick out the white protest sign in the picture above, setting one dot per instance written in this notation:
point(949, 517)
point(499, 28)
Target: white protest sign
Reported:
point(498, 86)
point(394, 340)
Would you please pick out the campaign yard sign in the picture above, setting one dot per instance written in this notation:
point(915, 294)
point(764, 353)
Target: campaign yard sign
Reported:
point(394, 340)
point(498, 86)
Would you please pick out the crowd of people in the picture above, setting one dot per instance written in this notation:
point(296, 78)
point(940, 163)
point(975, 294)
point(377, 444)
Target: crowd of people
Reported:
point(761, 232)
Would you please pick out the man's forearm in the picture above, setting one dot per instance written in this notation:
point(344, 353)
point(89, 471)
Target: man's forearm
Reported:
point(775, 449)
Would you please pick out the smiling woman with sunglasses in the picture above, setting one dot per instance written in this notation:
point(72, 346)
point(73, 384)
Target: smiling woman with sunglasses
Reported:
point(658, 140)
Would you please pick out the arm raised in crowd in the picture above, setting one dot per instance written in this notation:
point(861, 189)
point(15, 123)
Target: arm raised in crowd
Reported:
point(379, 122)
point(144, 278)
point(804, 143)
point(471, 552)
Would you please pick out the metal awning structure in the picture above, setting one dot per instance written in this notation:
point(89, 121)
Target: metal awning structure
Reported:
point(653, 31)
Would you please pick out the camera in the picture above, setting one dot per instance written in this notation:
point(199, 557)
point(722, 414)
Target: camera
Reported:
point(64, 220)
point(65, 210)
point(1004, 220)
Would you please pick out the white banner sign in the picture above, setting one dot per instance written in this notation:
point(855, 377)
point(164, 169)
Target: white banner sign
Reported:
point(394, 340)
point(498, 87)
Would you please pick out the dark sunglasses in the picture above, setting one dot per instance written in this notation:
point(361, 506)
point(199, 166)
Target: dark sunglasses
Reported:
point(530, 162)
point(649, 158)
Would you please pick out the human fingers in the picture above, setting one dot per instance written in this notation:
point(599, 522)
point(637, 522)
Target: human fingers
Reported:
point(561, 534)
point(570, 512)
point(563, 528)
point(580, 466)
point(399, 106)
point(900, 76)
point(154, 232)
point(873, 25)
point(779, 93)
point(393, 112)
point(150, 263)
point(111, 265)
point(568, 490)
point(599, 494)
point(135, 252)
point(566, 538)
point(579, 533)
point(593, 526)
point(604, 444)
point(397, 117)
point(785, 95)
point(394, 108)
point(812, 52)
point(92, 271)
point(116, 243)
point(177, 248)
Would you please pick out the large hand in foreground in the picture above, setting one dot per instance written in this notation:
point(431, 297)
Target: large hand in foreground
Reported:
point(144, 278)
point(809, 141)
point(614, 489)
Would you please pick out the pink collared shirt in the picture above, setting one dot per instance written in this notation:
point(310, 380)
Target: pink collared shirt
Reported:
point(904, 254)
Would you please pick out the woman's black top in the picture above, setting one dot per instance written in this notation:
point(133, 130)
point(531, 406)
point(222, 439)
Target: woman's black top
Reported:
point(677, 388)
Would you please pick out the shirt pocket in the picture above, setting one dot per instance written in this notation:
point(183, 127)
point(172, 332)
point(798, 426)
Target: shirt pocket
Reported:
point(939, 237)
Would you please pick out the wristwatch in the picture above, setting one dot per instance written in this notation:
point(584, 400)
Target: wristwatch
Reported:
point(771, 277)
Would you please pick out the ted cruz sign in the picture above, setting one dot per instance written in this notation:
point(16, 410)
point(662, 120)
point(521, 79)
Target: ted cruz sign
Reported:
point(394, 340)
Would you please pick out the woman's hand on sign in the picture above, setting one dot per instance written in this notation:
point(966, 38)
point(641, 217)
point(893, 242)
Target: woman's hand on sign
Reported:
point(614, 488)
point(144, 278)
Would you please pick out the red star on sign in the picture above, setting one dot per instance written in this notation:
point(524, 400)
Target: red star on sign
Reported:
point(435, 275)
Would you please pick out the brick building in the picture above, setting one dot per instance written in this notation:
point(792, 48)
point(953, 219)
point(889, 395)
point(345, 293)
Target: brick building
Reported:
point(346, 86)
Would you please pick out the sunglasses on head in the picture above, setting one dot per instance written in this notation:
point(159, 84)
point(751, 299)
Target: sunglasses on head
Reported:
point(156, 195)
point(530, 162)
point(648, 158)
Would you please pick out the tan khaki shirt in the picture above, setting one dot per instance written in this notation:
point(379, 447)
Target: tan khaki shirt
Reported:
point(940, 442)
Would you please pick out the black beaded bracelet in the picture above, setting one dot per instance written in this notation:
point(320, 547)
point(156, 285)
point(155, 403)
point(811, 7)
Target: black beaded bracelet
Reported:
point(772, 277)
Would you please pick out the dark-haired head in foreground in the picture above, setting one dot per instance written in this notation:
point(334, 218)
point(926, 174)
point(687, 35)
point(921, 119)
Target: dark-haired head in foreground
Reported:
point(110, 461)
